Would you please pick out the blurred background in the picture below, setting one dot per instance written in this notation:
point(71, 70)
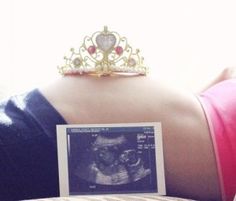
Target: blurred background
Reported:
point(184, 42)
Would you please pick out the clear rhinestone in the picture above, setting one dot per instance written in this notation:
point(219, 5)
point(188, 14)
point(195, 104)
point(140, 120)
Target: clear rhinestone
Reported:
point(77, 62)
point(106, 42)
point(131, 62)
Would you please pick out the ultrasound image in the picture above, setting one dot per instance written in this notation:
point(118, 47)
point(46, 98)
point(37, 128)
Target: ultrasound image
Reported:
point(112, 160)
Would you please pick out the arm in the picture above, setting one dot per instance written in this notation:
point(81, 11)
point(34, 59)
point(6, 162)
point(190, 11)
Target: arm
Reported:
point(227, 73)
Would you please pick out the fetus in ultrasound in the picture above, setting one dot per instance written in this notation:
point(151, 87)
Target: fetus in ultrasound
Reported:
point(111, 161)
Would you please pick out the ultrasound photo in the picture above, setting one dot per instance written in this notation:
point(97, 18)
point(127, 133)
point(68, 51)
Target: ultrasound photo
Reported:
point(106, 160)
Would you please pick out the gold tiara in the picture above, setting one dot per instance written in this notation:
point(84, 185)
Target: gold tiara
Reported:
point(104, 53)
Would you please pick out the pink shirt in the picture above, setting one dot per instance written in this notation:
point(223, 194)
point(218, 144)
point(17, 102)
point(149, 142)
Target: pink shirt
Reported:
point(219, 104)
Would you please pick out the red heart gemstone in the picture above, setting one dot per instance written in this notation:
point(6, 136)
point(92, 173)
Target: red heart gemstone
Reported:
point(119, 50)
point(91, 49)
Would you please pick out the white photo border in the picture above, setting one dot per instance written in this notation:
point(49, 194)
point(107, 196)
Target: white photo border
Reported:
point(62, 149)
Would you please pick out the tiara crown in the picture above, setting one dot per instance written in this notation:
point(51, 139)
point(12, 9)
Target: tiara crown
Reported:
point(104, 53)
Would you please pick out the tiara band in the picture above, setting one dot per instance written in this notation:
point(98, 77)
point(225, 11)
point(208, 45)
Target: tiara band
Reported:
point(104, 53)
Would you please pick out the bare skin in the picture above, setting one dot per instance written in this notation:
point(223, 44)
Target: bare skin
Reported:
point(190, 166)
point(227, 73)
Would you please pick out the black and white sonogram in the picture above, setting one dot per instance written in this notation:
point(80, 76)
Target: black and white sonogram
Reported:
point(111, 160)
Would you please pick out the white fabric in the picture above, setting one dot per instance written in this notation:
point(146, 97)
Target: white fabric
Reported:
point(114, 198)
